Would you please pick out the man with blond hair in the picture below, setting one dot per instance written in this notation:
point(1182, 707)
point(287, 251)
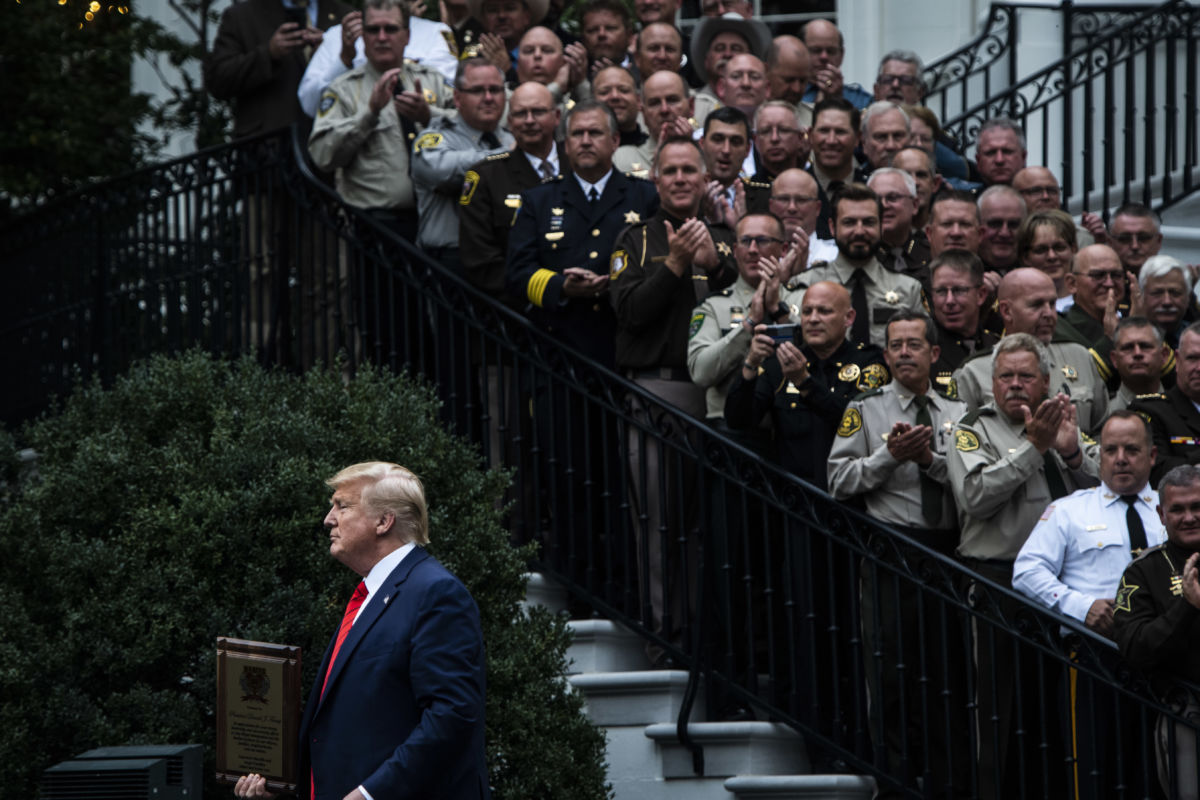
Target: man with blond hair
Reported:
point(398, 703)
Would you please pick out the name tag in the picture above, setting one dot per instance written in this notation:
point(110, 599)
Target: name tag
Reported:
point(554, 236)
point(1097, 527)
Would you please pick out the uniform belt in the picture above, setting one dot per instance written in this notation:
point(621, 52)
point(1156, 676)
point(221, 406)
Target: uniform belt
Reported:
point(659, 373)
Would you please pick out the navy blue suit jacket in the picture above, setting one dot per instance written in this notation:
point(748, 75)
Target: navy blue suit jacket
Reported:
point(402, 713)
point(557, 227)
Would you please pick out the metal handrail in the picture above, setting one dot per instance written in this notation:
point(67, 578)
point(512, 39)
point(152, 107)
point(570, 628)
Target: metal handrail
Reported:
point(241, 248)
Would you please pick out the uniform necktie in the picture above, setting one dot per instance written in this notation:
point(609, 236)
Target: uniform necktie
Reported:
point(489, 140)
point(861, 332)
point(1133, 520)
point(1054, 476)
point(547, 169)
point(593, 195)
point(356, 601)
point(931, 490)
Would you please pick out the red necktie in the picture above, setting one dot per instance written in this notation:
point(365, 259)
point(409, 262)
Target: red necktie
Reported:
point(356, 601)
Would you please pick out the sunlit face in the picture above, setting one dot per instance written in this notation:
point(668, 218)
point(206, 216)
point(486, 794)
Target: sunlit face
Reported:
point(1126, 455)
point(856, 228)
point(384, 38)
point(1166, 299)
point(999, 155)
point(956, 300)
point(725, 147)
point(1018, 382)
point(833, 141)
point(354, 530)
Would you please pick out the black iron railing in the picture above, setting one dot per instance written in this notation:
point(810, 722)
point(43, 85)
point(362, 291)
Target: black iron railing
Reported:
point(780, 598)
point(1115, 117)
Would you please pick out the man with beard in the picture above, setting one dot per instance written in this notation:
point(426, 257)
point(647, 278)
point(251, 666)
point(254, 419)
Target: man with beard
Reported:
point(794, 200)
point(1025, 301)
point(1157, 625)
point(615, 87)
point(726, 144)
point(492, 190)
point(1173, 415)
point(902, 248)
point(660, 270)
point(1139, 355)
point(890, 451)
point(666, 107)
point(957, 296)
point(834, 136)
point(563, 233)
point(787, 70)
point(1136, 235)
point(1001, 210)
point(875, 292)
point(1012, 457)
point(780, 140)
point(1167, 295)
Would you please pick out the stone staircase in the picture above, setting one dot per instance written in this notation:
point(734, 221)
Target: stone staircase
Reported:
point(638, 709)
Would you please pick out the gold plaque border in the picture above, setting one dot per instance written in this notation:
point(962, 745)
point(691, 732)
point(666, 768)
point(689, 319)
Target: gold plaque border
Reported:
point(243, 650)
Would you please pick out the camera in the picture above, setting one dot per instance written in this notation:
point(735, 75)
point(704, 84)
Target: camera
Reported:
point(782, 333)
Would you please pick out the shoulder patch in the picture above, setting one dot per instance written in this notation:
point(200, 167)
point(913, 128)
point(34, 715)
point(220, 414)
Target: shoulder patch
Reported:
point(327, 102)
point(428, 141)
point(617, 264)
point(1124, 594)
point(873, 376)
point(694, 325)
point(470, 184)
point(949, 388)
point(965, 441)
point(851, 423)
point(429, 95)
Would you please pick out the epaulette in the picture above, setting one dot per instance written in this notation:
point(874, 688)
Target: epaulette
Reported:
point(868, 393)
point(751, 184)
point(1151, 396)
point(986, 351)
point(1149, 551)
point(499, 156)
point(817, 265)
point(796, 283)
point(726, 292)
point(971, 417)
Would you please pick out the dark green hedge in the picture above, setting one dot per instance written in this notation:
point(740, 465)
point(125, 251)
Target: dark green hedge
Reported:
point(186, 503)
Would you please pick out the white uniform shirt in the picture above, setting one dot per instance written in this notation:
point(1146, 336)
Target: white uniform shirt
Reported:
point(1080, 547)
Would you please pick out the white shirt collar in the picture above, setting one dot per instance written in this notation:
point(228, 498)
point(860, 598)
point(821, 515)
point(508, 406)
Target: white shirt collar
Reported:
point(536, 162)
point(381, 570)
point(600, 184)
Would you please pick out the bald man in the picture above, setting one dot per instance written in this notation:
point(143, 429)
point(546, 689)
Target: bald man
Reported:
point(1025, 300)
point(667, 109)
point(788, 70)
point(659, 47)
point(826, 49)
point(1041, 192)
point(797, 203)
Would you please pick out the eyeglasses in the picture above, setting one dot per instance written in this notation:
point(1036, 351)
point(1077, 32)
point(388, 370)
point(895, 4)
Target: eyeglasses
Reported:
point(478, 90)
point(1040, 191)
point(777, 130)
point(1128, 238)
point(373, 30)
point(1001, 224)
point(794, 199)
point(903, 80)
point(953, 291)
point(761, 241)
point(1102, 275)
point(892, 198)
point(530, 113)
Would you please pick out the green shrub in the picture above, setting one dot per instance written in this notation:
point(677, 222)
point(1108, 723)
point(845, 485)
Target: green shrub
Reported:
point(186, 503)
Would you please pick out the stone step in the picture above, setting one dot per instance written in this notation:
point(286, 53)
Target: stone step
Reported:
point(732, 748)
point(685, 789)
point(635, 698)
point(601, 645)
point(801, 787)
point(541, 591)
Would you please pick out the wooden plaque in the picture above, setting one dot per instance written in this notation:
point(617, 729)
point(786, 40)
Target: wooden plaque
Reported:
point(258, 711)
